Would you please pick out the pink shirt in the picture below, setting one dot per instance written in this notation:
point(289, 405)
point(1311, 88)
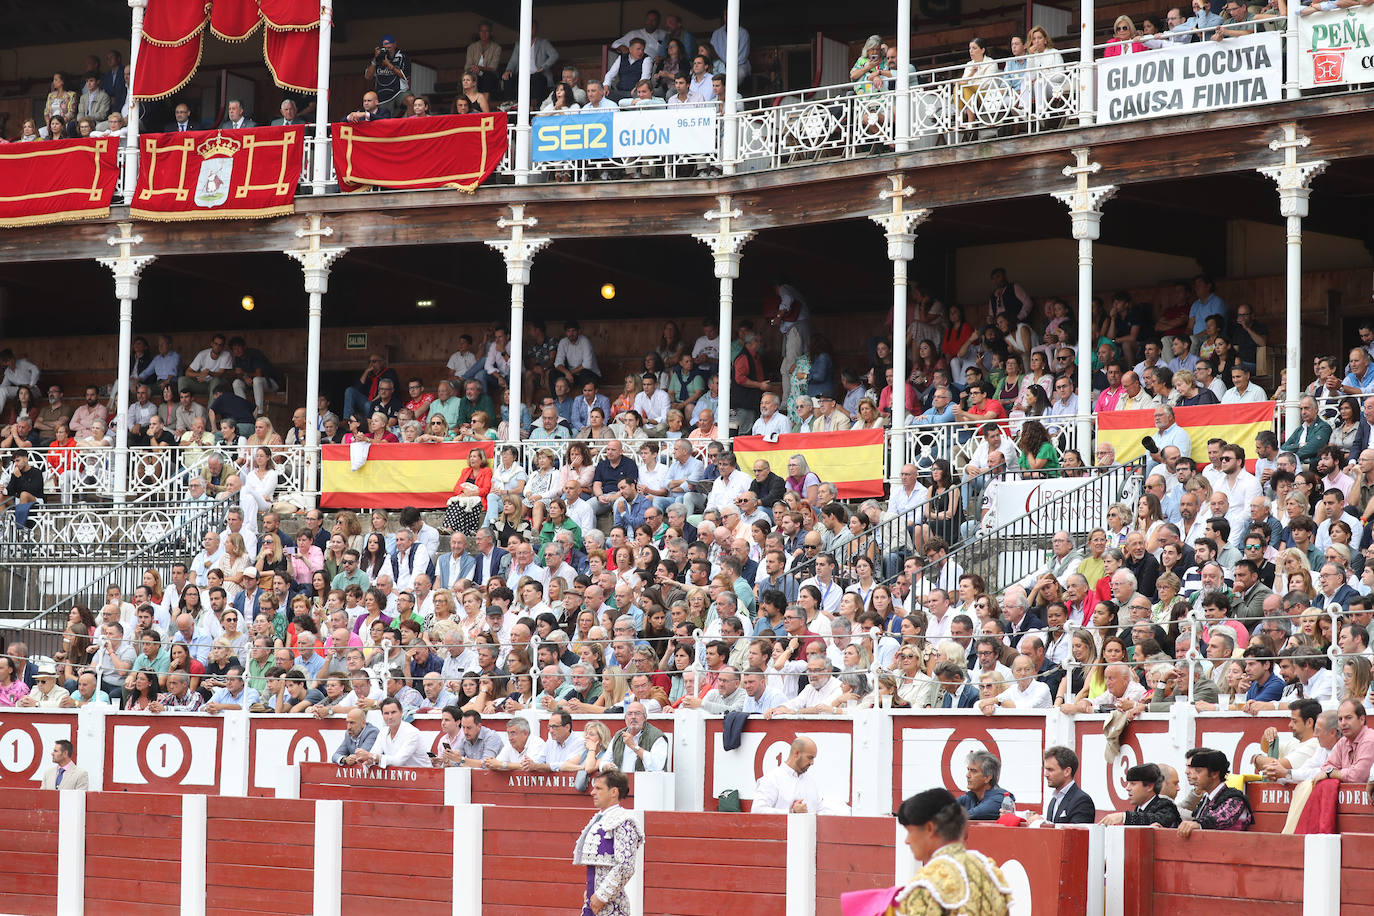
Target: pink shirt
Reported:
point(1350, 761)
point(12, 694)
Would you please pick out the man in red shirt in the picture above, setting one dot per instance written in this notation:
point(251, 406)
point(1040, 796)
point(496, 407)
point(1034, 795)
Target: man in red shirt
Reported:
point(981, 405)
point(420, 399)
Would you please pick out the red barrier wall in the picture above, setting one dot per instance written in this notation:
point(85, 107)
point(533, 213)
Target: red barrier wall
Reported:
point(852, 854)
point(163, 753)
point(404, 785)
point(1357, 875)
point(1270, 802)
point(385, 843)
point(520, 789)
point(739, 859)
point(764, 747)
point(1053, 862)
point(259, 856)
point(28, 834)
point(133, 838)
point(527, 865)
point(1214, 873)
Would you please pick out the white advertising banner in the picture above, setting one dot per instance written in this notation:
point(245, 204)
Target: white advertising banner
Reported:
point(1085, 510)
point(1186, 78)
point(1335, 47)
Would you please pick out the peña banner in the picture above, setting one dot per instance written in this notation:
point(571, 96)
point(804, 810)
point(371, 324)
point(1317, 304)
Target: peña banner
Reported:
point(1336, 47)
point(1187, 78)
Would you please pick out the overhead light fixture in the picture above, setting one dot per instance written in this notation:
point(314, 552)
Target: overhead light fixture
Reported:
point(248, 303)
point(424, 303)
point(608, 291)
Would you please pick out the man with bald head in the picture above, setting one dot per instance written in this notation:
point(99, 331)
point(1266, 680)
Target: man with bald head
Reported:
point(1122, 687)
point(792, 788)
point(359, 736)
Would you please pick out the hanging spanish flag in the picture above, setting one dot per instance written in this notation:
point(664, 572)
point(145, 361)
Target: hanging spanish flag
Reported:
point(53, 181)
point(219, 174)
point(852, 460)
point(394, 475)
point(1238, 424)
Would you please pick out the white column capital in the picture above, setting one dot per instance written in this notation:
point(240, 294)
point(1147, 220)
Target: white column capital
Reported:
point(1293, 178)
point(519, 250)
point(900, 223)
point(127, 267)
point(726, 243)
point(1083, 200)
point(315, 260)
point(138, 4)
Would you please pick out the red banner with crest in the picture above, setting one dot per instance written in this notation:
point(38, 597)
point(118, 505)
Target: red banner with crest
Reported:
point(53, 181)
point(444, 151)
point(218, 174)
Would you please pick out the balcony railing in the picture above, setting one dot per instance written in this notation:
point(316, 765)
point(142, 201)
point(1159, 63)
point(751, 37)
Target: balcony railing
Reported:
point(849, 120)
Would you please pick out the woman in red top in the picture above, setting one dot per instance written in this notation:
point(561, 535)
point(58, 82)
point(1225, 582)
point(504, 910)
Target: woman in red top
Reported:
point(1125, 41)
point(957, 335)
point(476, 477)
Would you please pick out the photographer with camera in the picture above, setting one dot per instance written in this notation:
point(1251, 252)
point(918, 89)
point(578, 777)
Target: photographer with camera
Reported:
point(389, 70)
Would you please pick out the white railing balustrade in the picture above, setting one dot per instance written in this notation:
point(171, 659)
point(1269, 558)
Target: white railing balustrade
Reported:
point(158, 475)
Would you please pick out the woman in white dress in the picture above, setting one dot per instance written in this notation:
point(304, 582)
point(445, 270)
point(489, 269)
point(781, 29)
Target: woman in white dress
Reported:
point(259, 485)
point(1047, 82)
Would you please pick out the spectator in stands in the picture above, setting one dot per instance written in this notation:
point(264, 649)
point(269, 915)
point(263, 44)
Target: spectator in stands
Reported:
point(61, 101)
point(628, 70)
point(983, 800)
point(235, 118)
point(1245, 21)
point(542, 60)
point(719, 44)
point(94, 103)
point(1144, 783)
point(1220, 806)
point(372, 110)
point(65, 774)
point(389, 72)
point(483, 60)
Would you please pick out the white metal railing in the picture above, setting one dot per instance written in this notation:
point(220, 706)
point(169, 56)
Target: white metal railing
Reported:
point(160, 474)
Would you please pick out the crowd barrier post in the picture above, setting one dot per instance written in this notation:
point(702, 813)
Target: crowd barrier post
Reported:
point(689, 759)
point(872, 764)
point(801, 864)
point(458, 786)
point(328, 857)
point(194, 835)
point(234, 749)
point(467, 866)
point(71, 853)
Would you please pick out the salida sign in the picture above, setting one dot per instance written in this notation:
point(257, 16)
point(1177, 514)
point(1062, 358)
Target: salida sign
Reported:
point(1186, 78)
point(1336, 47)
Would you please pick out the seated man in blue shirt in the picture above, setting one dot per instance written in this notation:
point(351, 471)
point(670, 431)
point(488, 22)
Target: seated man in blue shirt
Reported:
point(1265, 686)
point(941, 409)
point(983, 800)
point(631, 506)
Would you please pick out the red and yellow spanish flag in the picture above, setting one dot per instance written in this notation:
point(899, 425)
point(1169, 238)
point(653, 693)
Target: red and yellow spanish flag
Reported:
point(852, 460)
point(395, 475)
point(1236, 423)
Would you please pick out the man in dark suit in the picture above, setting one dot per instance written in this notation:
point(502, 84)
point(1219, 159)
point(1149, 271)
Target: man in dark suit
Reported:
point(360, 735)
point(246, 601)
point(955, 693)
point(1069, 804)
point(1020, 620)
point(235, 118)
point(491, 560)
point(289, 114)
point(1333, 589)
point(183, 121)
point(1143, 784)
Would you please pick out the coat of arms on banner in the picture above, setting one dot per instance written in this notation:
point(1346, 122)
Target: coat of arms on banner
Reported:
point(1327, 67)
point(216, 170)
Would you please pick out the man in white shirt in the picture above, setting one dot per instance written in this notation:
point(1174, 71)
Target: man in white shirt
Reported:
point(1290, 753)
point(652, 35)
point(410, 558)
point(987, 651)
point(1326, 731)
point(651, 403)
point(791, 789)
point(718, 44)
point(400, 744)
point(210, 369)
point(1121, 685)
point(1025, 691)
point(576, 360)
point(682, 93)
point(731, 483)
point(564, 744)
point(18, 373)
point(770, 421)
point(817, 697)
point(596, 97)
point(520, 750)
point(1242, 391)
point(461, 363)
point(706, 349)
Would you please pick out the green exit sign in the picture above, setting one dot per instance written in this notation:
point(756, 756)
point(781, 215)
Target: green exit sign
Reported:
point(356, 341)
